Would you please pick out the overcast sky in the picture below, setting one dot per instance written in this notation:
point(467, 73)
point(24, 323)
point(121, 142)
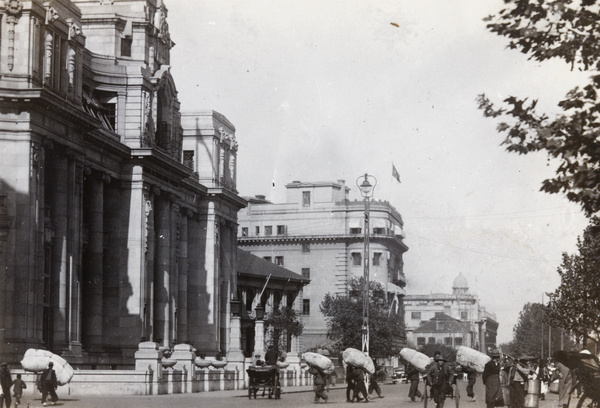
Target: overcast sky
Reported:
point(327, 90)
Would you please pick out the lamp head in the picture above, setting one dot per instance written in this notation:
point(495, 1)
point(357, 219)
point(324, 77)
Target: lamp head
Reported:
point(366, 188)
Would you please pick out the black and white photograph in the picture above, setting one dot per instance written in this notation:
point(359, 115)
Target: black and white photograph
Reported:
point(299, 202)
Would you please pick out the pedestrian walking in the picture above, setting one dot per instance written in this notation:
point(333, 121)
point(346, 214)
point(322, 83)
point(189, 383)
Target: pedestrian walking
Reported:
point(48, 384)
point(349, 383)
point(5, 384)
point(412, 375)
point(565, 384)
point(319, 381)
point(359, 385)
point(438, 378)
point(491, 380)
point(517, 377)
point(375, 379)
point(18, 387)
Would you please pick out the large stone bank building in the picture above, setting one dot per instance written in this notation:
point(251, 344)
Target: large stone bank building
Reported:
point(118, 213)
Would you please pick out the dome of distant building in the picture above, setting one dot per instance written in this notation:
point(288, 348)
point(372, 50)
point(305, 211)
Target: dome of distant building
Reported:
point(460, 284)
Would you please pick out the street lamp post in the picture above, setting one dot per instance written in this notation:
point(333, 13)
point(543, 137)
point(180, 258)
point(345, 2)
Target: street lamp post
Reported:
point(366, 190)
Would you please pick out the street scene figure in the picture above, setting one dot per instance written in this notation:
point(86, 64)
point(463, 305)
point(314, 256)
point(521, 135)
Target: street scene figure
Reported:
point(517, 376)
point(5, 384)
point(565, 384)
point(349, 383)
point(412, 375)
point(359, 385)
point(377, 377)
point(271, 356)
point(319, 382)
point(18, 387)
point(48, 384)
point(438, 378)
point(491, 380)
point(471, 380)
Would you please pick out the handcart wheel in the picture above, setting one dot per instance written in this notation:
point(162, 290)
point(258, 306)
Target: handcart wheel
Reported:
point(425, 397)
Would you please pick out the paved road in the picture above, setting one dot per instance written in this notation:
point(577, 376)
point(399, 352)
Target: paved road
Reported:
point(395, 396)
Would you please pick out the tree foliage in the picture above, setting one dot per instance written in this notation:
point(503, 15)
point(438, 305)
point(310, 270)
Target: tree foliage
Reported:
point(570, 31)
point(283, 323)
point(575, 304)
point(344, 320)
point(531, 334)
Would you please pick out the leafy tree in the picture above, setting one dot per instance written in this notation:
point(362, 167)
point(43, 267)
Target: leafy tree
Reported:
point(282, 324)
point(575, 304)
point(344, 320)
point(530, 334)
point(567, 30)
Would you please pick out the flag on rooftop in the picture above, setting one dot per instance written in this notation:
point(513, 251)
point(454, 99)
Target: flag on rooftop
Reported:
point(395, 173)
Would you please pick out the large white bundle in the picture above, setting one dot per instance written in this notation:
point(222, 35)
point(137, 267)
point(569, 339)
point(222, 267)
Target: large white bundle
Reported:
point(415, 358)
point(319, 361)
point(37, 360)
point(359, 359)
point(471, 358)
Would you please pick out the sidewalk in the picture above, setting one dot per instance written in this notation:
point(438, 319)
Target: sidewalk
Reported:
point(149, 401)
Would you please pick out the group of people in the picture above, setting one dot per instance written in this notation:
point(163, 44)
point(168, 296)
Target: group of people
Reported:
point(47, 384)
point(355, 380)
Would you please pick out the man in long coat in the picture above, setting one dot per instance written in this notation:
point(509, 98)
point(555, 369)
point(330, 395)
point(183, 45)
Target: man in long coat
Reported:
point(491, 379)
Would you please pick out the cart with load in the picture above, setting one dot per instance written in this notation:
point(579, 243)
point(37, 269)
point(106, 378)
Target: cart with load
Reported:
point(265, 378)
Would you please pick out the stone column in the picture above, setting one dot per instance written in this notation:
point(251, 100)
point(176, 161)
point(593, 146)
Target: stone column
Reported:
point(162, 276)
point(182, 299)
point(59, 275)
point(94, 262)
point(259, 340)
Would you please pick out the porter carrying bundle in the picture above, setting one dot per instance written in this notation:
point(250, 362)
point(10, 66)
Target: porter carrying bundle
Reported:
point(319, 361)
point(358, 359)
point(471, 358)
point(415, 358)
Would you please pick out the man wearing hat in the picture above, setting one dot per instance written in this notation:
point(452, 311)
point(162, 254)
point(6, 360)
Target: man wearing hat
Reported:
point(5, 384)
point(49, 384)
point(491, 380)
point(438, 378)
point(517, 376)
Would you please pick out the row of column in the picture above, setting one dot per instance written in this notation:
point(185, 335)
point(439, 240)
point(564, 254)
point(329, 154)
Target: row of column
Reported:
point(142, 268)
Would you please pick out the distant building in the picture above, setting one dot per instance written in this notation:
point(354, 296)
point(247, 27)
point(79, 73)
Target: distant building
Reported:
point(451, 319)
point(319, 233)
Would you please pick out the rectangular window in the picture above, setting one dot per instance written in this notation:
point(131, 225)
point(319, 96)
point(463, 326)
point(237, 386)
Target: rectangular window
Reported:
point(281, 230)
point(415, 315)
point(306, 273)
point(244, 231)
point(306, 307)
point(379, 231)
point(448, 341)
point(458, 341)
point(356, 258)
point(306, 199)
point(268, 230)
point(279, 260)
point(376, 258)
point(421, 341)
point(305, 248)
point(464, 315)
point(257, 231)
point(355, 230)
point(126, 46)
point(267, 258)
point(431, 340)
point(439, 326)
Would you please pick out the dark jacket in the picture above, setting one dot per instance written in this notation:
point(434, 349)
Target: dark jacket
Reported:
point(5, 380)
point(412, 374)
point(48, 378)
